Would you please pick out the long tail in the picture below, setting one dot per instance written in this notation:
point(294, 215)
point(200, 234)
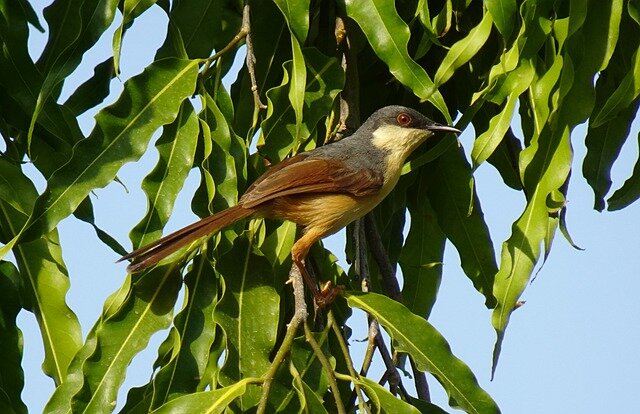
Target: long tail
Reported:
point(152, 253)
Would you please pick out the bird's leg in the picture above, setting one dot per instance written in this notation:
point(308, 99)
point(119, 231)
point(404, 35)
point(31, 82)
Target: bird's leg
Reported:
point(299, 251)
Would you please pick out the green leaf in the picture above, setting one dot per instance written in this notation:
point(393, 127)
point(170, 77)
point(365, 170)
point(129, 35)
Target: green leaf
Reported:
point(209, 402)
point(176, 149)
point(503, 13)
point(389, 35)
point(383, 400)
point(422, 253)
point(453, 197)
point(325, 78)
point(124, 330)
point(463, 50)
point(431, 352)
point(627, 91)
point(44, 279)
point(121, 135)
point(297, 88)
point(249, 315)
point(629, 192)
point(84, 212)
point(489, 140)
point(545, 165)
point(11, 375)
point(296, 13)
point(130, 10)
point(22, 82)
point(74, 26)
point(195, 329)
point(604, 144)
point(199, 26)
point(92, 92)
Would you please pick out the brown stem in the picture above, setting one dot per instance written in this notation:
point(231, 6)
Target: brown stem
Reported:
point(387, 270)
point(251, 57)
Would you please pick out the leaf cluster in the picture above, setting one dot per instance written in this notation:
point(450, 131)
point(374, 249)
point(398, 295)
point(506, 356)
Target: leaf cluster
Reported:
point(313, 71)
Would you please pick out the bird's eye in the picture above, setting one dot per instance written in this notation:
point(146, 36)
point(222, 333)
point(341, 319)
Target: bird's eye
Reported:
point(403, 119)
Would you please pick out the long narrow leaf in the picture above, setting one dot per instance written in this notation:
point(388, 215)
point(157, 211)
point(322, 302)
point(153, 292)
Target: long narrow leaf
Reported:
point(389, 35)
point(415, 336)
point(122, 133)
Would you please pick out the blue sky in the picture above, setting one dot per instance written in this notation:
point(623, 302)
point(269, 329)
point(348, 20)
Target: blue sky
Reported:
point(571, 349)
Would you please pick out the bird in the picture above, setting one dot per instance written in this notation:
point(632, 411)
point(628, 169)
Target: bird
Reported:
point(321, 190)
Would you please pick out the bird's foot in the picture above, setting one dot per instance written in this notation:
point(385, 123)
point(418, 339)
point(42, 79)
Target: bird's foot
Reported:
point(327, 294)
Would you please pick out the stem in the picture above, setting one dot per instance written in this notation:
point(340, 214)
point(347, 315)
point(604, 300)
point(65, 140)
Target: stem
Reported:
point(251, 58)
point(347, 357)
point(299, 315)
point(326, 365)
point(387, 270)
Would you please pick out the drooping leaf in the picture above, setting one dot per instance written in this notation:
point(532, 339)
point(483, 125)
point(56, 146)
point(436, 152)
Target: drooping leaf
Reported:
point(124, 330)
point(629, 192)
point(487, 142)
point(74, 27)
point(44, 279)
point(92, 92)
point(383, 400)
point(325, 79)
point(388, 34)
point(199, 26)
point(176, 148)
point(248, 314)
point(422, 253)
point(452, 194)
point(11, 375)
point(122, 133)
point(463, 50)
point(130, 10)
point(195, 329)
point(503, 13)
point(210, 402)
point(296, 13)
point(415, 336)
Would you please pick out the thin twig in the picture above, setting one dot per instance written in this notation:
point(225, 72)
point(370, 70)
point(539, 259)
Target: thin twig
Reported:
point(387, 270)
point(299, 316)
point(345, 352)
point(392, 288)
point(326, 365)
point(251, 57)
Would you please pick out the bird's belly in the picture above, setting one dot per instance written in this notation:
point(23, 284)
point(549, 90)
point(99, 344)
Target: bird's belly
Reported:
point(325, 213)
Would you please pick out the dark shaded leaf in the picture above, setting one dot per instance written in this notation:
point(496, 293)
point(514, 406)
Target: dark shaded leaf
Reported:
point(11, 374)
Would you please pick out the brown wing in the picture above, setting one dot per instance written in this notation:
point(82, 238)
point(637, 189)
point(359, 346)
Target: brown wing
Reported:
point(301, 174)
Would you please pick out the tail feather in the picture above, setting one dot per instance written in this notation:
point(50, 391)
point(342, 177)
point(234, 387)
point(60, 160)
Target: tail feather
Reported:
point(152, 253)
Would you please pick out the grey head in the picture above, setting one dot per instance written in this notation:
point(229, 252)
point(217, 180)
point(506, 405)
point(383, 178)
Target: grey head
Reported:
point(394, 128)
point(404, 117)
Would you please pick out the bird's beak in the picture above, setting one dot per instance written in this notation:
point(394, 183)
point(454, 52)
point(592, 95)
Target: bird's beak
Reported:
point(443, 128)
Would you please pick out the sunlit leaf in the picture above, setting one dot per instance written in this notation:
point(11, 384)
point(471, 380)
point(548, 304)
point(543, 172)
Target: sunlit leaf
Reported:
point(44, 279)
point(195, 329)
point(122, 133)
point(430, 351)
point(209, 402)
point(503, 13)
point(388, 34)
point(248, 314)
point(176, 148)
point(463, 50)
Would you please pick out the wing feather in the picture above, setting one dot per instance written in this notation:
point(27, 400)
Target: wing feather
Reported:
point(304, 174)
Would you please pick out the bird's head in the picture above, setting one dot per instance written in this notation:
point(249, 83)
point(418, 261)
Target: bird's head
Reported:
point(399, 130)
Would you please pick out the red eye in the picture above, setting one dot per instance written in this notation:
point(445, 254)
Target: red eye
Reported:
point(403, 119)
